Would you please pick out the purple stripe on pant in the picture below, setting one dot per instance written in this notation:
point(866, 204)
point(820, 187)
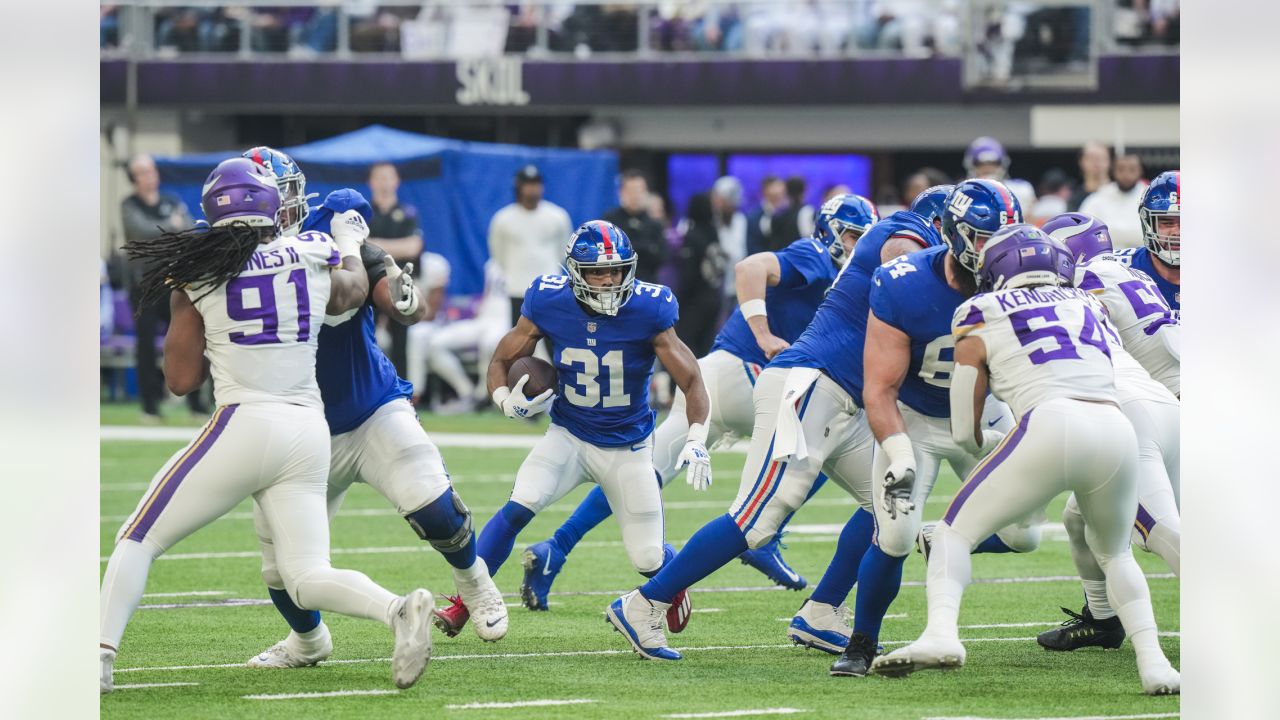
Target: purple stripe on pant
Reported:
point(987, 466)
point(1145, 523)
point(165, 492)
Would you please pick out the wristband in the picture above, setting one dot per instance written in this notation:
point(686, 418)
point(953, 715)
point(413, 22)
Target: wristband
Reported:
point(500, 395)
point(898, 447)
point(753, 308)
point(698, 432)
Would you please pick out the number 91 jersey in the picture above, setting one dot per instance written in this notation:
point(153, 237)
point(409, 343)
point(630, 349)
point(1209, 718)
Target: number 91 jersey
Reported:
point(1042, 344)
point(603, 363)
point(261, 327)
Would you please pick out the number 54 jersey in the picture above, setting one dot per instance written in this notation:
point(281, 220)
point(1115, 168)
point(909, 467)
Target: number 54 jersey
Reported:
point(261, 326)
point(1042, 344)
point(603, 363)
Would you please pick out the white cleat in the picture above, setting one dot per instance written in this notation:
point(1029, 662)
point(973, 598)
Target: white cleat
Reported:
point(411, 623)
point(1163, 680)
point(927, 653)
point(290, 653)
point(106, 683)
point(640, 622)
point(484, 601)
point(821, 626)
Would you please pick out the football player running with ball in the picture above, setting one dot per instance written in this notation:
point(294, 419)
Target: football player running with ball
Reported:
point(778, 293)
point(249, 301)
point(1045, 348)
point(376, 436)
point(606, 328)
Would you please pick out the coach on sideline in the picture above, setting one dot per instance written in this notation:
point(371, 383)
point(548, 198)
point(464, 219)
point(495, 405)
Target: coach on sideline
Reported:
point(527, 238)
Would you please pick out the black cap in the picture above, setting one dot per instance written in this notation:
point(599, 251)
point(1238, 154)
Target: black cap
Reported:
point(528, 174)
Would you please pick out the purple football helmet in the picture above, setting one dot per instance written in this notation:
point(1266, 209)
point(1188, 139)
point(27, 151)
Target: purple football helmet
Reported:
point(982, 151)
point(1021, 255)
point(1084, 235)
point(240, 190)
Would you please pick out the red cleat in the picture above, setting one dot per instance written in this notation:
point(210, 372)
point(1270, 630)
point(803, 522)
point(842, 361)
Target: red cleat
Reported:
point(452, 619)
point(678, 613)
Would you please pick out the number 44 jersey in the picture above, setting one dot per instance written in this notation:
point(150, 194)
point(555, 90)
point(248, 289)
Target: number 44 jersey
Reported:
point(260, 327)
point(603, 363)
point(1042, 344)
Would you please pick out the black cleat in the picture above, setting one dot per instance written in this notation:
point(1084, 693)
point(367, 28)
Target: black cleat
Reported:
point(856, 659)
point(1083, 630)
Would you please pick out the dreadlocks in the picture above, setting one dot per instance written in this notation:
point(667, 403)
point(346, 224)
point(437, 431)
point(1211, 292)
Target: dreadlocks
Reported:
point(206, 257)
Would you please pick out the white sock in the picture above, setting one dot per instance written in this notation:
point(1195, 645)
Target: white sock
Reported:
point(1095, 594)
point(950, 569)
point(122, 587)
point(1128, 587)
point(473, 574)
point(1091, 575)
point(312, 638)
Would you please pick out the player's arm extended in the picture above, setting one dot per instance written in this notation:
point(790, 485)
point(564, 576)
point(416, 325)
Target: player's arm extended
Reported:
point(386, 305)
point(184, 364)
point(968, 394)
point(678, 359)
point(752, 277)
point(517, 343)
point(885, 362)
point(349, 286)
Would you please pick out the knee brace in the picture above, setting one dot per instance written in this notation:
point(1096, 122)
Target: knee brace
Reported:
point(444, 522)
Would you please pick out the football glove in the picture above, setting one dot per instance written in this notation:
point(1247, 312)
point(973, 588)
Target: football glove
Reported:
point(349, 232)
point(900, 478)
point(404, 294)
point(696, 457)
point(516, 406)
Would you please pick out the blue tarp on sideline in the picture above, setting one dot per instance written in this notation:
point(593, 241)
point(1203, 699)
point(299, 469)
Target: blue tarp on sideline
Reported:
point(456, 186)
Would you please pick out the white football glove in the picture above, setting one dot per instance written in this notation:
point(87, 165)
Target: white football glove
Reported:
point(900, 478)
point(990, 439)
point(404, 294)
point(349, 232)
point(516, 406)
point(696, 457)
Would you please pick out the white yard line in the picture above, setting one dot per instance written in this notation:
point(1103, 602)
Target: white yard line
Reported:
point(1145, 716)
point(890, 616)
point(1008, 625)
point(189, 593)
point(139, 686)
point(738, 713)
point(520, 704)
point(308, 696)
point(707, 610)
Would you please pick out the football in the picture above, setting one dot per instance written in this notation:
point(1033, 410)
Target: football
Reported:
point(542, 376)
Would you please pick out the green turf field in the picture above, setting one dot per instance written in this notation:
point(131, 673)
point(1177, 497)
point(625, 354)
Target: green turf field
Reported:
point(736, 654)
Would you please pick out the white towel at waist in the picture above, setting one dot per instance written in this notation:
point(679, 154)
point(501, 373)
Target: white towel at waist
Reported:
point(789, 437)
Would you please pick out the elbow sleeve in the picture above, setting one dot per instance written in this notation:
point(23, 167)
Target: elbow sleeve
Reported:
point(963, 381)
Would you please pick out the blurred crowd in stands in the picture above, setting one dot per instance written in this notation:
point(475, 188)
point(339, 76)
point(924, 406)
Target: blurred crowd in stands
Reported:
point(445, 356)
point(797, 27)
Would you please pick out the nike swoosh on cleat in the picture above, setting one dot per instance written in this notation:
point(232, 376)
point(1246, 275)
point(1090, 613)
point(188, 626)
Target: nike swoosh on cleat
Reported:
point(546, 569)
point(491, 623)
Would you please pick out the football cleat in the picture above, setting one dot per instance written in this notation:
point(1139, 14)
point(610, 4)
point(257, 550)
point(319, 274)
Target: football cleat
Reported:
point(482, 598)
point(768, 560)
point(542, 563)
point(856, 658)
point(285, 654)
point(927, 653)
point(106, 680)
point(1160, 680)
point(410, 621)
point(639, 619)
point(678, 613)
point(924, 540)
point(1083, 630)
point(452, 619)
point(821, 626)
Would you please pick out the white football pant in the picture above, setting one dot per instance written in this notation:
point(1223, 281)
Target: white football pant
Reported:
point(729, 381)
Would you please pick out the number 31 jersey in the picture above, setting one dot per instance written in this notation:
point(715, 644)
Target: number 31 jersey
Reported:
point(603, 363)
point(260, 327)
point(1042, 344)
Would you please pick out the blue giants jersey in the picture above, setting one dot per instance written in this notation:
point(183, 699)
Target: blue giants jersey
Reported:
point(354, 375)
point(834, 339)
point(603, 362)
point(911, 294)
point(1140, 259)
point(806, 273)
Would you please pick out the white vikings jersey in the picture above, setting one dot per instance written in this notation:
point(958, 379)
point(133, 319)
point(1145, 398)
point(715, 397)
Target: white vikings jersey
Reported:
point(261, 326)
point(1148, 327)
point(1133, 382)
point(1042, 343)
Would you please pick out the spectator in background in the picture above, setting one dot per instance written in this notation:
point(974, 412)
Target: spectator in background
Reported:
point(394, 228)
point(702, 273)
point(632, 215)
point(831, 191)
point(919, 181)
point(795, 221)
point(1116, 203)
point(527, 238)
point(1095, 171)
point(731, 226)
point(145, 215)
point(1055, 189)
point(773, 196)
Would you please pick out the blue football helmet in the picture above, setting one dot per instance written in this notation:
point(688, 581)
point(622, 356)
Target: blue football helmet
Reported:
point(975, 210)
point(599, 244)
point(1161, 214)
point(291, 182)
point(931, 203)
point(841, 213)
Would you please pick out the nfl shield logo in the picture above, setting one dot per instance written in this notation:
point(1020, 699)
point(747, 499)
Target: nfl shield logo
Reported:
point(591, 327)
